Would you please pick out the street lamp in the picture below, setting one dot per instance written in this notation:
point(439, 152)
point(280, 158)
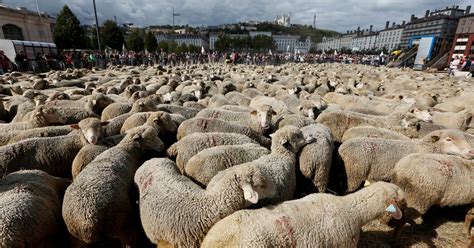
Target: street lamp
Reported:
point(97, 26)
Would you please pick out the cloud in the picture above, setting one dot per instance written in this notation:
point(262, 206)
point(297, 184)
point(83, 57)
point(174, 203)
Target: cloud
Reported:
point(339, 15)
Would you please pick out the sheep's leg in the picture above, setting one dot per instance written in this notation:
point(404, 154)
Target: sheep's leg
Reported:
point(467, 222)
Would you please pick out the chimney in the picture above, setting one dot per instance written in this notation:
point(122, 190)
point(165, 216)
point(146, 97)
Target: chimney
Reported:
point(412, 18)
point(457, 6)
point(468, 10)
point(393, 24)
point(427, 13)
point(386, 24)
point(403, 23)
point(370, 29)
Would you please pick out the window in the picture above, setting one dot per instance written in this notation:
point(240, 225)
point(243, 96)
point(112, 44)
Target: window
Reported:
point(12, 32)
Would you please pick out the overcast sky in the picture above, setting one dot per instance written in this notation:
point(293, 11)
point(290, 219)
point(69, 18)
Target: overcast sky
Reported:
point(339, 15)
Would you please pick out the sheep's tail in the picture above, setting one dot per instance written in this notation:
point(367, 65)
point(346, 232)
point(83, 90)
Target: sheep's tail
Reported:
point(172, 151)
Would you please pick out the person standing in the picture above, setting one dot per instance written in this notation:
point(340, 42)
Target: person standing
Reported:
point(21, 61)
point(4, 63)
point(454, 66)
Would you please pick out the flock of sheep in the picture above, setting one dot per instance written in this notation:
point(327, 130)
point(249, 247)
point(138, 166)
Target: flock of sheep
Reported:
point(295, 155)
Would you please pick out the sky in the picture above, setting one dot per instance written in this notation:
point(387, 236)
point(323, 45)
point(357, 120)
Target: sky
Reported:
point(339, 15)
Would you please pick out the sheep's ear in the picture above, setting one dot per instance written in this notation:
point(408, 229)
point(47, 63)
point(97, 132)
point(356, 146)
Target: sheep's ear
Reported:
point(74, 126)
point(104, 123)
point(299, 108)
point(434, 138)
point(250, 194)
point(284, 141)
point(273, 112)
point(254, 112)
point(94, 102)
point(271, 135)
point(394, 210)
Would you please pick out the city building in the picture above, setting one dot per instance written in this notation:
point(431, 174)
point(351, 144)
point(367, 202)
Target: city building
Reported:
point(463, 44)
point(390, 37)
point(292, 43)
point(187, 39)
point(440, 23)
point(346, 40)
point(23, 24)
point(329, 43)
point(255, 33)
point(364, 42)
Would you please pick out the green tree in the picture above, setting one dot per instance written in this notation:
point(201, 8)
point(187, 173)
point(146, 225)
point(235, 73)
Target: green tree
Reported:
point(93, 40)
point(181, 48)
point(135, 41)
point(112, 35)
point(263, 42)
point(223, 43)
point(163, 45)
point(67, 32)
point(151, 44)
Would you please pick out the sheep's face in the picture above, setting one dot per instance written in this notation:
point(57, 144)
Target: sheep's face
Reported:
point(146, 137)
point(451, 142)
point(294, 139)
point(91, 129)
point(255, 184)
point(422, 115)
point(264, 116)
point(162, 121)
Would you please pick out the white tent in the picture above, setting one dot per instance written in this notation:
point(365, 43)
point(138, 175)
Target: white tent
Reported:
point(381, 54)
point(288, 48)
point(324, 53)
point(203, 51)
point(124, 49)
point(270, 52)
point(335, 52)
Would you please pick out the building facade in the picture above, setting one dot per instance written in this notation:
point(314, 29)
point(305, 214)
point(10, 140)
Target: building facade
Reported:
point(364, 42)
point(333, 43)
point(390, 37)
point(187, 39)
point(23, 24)
point(463, 44)
point(292, 43)
point(438, 23)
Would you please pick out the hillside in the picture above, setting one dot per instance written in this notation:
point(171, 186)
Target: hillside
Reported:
point(302, 30)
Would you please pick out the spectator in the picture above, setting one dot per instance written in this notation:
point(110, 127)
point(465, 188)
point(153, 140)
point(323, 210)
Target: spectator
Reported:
point(454, 65)
point(22, 61)
point(467, 64)
point(4, 63)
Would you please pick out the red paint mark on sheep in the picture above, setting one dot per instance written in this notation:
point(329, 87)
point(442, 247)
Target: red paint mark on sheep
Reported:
point(284, 227)
point(215, 114)
point(369, 146)
point(147, 182)
point(446, 168)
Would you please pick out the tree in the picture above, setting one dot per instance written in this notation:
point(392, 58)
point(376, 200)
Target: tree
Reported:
point(163, 45)
point(151, 44)
point(112, 35)
point(135, 41)
point(263, 42)
point(67, 32)
point(223, 43)
point(93, 40)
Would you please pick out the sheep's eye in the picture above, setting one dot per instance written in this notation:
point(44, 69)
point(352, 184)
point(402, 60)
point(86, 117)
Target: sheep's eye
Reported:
point(449, 139)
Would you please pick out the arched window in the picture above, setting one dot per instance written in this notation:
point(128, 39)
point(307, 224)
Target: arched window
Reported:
point(12, 32)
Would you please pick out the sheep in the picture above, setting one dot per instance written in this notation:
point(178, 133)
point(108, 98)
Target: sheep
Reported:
point(85, 156)
point(317, 220)
point(162, 188)
point(176, 109)
point(98, 205)
point(30, 210)
point(165, 120)
point(53, 155)
point(315, 158)
point(296, 120)
point(187, 147)
point(115, 109)
point(50, 131)
point(374, 159)
point(278, 106)
point(351, 101)
point(435, 179)
point(460, 120)
point(259, 120)
point(281, 162)
point(203, 166)
point(340, 121)
point(206, 125)
point(41, 117)
point(116, 123)
point(372, 132)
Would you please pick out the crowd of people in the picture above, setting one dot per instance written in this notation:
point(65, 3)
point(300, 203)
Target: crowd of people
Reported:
point(89, 59)
point(459, 63)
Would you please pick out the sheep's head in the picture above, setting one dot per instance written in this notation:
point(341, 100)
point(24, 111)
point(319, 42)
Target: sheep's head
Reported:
point(49, 115)
point(290, 137)
point(312, 109)
point(145, 137)
point(91, 129)
point(422, 115)
point(264, 115)
point(143, 105)
point(450, 141)
point(255, 184)
point(162, 121)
